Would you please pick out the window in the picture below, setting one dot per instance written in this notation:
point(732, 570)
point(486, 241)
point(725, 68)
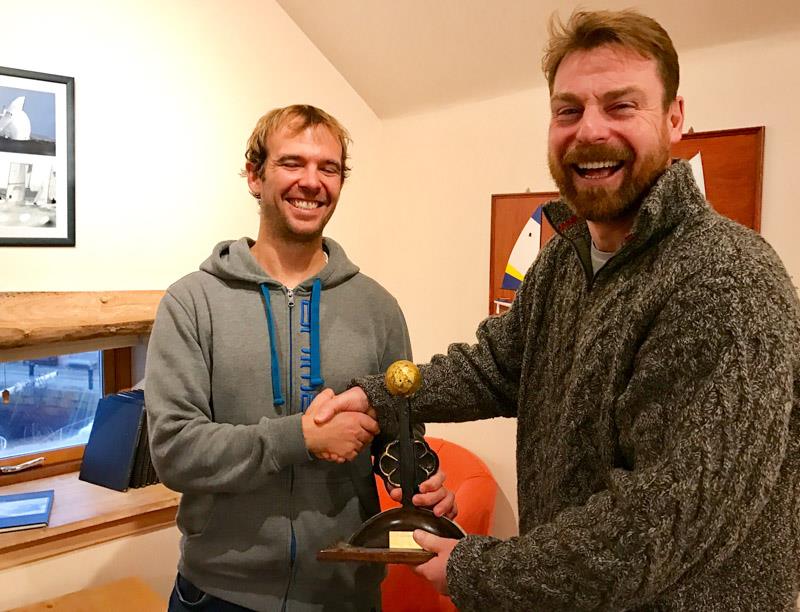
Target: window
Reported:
point(48, 405)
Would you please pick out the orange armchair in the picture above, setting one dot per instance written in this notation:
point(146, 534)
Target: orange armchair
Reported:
point(475, 490)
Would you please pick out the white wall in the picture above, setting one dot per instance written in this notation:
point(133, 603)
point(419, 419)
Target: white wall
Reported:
point(440, 169)
point(166, 94)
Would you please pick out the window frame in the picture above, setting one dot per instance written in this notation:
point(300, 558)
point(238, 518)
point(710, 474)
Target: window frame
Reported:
point(117, 375)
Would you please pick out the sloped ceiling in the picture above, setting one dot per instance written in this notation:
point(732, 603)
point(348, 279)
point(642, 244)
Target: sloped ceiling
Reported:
point(407, 56)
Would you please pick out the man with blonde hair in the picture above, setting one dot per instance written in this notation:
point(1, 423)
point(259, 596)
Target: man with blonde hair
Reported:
point(651, 358)
point(238, 351)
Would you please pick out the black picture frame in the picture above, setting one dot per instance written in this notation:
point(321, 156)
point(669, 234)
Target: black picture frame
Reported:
point(37, 158)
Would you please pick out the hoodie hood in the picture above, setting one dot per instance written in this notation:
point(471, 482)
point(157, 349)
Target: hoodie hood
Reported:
point(232, 260)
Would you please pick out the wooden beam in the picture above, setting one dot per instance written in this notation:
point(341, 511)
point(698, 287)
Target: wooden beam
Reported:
point(45, 317)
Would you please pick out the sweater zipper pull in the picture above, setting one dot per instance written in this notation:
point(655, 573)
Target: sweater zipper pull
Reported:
point(290, 297)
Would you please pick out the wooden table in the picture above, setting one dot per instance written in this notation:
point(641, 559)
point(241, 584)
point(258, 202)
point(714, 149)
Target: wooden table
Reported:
point(126, 595)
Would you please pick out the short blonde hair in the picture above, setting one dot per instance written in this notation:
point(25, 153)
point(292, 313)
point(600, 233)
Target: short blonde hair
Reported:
point(630, 29)
point(299, 117)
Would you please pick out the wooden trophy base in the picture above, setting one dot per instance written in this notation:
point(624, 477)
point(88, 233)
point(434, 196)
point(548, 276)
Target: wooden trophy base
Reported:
point(362, 554)
point(370, 544)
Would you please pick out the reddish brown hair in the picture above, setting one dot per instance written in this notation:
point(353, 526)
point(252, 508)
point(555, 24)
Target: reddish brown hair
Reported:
point(587, 30)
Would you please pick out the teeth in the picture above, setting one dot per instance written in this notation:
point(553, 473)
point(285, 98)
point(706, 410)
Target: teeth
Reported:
point(597, 165)
point(305, 204)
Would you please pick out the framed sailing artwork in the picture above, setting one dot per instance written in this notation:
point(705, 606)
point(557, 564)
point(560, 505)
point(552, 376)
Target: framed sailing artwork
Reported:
point(37, 159)
point(727, 166)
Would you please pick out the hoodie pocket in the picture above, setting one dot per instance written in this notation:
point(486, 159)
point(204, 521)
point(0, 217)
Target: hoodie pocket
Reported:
point(246, 531)
point(194, 513)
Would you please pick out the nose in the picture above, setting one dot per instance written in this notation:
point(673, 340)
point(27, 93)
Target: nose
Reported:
point(592, 127)
point(309, 179)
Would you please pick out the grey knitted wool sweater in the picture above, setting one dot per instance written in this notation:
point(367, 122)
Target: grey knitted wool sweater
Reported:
point(658, 433)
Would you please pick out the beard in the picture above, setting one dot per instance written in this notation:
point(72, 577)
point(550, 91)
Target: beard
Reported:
point(603, 204)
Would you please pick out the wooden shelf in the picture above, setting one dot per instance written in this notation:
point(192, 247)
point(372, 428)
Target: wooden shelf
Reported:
point(44, 317)
point(85, 514)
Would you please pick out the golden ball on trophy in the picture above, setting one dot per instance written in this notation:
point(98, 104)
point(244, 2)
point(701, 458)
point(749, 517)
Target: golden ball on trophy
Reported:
point(403, 378)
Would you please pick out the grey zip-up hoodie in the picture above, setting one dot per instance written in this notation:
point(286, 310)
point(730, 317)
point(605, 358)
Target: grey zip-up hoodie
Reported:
point(234, 358)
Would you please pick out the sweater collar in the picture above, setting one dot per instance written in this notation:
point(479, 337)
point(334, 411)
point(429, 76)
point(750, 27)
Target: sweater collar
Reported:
point(672, 199)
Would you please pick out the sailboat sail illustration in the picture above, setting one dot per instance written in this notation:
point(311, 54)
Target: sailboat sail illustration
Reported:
point(524, 252)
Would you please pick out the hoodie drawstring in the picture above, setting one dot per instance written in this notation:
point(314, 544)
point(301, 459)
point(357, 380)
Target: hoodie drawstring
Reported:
point(277, 395)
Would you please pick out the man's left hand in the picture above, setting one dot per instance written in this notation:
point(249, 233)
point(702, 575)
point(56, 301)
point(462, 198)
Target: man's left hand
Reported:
point(435, 570)
point(432, 494)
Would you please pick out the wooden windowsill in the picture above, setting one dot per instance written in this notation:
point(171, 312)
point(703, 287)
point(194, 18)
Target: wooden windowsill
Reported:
point(85, 514)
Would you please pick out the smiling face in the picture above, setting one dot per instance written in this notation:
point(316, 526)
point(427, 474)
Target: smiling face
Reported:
point(300, 182)
point(610, 135)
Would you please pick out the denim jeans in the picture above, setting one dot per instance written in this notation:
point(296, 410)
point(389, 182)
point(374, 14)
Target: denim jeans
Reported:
point(186, 597)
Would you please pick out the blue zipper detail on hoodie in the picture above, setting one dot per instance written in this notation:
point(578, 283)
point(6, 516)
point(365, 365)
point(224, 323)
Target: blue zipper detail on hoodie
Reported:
point(316, 357)
point(310, 357)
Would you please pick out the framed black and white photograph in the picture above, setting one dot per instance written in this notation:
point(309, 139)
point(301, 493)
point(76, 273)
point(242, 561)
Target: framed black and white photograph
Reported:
point(37, 159)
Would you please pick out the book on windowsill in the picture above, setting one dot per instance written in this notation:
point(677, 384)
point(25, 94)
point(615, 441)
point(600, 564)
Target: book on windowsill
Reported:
point(117, 455)
point(25, 510)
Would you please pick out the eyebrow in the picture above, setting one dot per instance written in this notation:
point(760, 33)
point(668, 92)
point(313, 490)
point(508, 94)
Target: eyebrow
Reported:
point(615, 94)
point(565, 97)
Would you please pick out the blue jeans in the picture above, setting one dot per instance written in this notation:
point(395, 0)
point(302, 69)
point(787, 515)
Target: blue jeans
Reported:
point(186, 597)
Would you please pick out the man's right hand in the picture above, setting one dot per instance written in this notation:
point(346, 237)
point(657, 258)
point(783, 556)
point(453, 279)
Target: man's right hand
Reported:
point(341, 434)
point(352, 400)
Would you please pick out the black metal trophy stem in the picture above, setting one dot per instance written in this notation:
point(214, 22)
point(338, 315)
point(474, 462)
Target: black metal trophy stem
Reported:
point(408, 461)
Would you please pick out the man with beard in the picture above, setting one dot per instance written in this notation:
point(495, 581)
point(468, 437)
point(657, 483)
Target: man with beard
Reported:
point(238, 351)
point(652, 359)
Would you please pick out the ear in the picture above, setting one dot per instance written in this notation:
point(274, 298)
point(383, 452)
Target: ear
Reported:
point(675, 117)
point(253, 179)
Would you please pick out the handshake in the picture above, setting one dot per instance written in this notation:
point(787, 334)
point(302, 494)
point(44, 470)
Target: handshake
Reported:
point(338, 427)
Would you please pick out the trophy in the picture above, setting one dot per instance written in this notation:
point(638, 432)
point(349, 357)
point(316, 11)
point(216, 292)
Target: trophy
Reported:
point(405, 462)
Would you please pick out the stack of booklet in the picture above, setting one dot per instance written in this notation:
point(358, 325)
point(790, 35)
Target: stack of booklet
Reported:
point(117, 454)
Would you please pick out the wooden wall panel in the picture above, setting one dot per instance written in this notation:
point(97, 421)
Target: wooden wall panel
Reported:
point(510, 213)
